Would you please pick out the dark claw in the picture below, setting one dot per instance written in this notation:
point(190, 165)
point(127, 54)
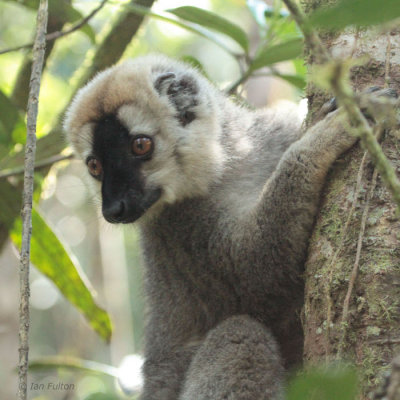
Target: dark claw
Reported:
point(386, 92)
point(329, 106)
point(372, 89)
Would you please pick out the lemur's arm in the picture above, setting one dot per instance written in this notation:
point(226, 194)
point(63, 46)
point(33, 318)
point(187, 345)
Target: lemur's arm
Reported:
point(284, 215)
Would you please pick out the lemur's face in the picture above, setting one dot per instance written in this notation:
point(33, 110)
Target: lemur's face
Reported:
point(148, 134)
point(116, 161)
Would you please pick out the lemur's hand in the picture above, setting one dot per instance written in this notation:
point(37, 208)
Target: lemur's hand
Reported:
point(375, 103)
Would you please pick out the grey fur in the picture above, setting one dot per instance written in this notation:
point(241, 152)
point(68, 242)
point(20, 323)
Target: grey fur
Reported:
point(224, 248)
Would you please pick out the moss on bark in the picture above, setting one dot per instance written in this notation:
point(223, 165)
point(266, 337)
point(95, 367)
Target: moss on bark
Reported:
point(370, 334)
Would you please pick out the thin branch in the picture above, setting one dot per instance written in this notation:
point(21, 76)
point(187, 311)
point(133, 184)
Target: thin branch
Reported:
point(240, 81)
point(310, 35)
point(359, 247)
point(38, 165)
point(30, 150)
point(77, 26)
point(16, 48)
point(387, 61)
point(58, 34)
point(340, 248)
point(356, 265)
point(385, 341)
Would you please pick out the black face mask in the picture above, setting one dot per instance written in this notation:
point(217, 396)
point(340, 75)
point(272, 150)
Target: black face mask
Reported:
point(117, 154)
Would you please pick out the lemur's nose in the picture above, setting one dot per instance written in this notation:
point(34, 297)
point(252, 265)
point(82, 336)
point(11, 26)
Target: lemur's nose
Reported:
point(114, 211)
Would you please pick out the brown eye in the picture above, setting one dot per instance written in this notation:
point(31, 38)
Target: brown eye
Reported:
point(142, 146)
point(94, 166)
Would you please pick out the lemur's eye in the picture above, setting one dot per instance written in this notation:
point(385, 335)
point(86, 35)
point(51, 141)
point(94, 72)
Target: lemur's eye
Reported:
point(94, 166)
point(142, 146)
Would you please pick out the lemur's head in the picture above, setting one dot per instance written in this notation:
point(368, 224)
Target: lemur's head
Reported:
point(148, 132)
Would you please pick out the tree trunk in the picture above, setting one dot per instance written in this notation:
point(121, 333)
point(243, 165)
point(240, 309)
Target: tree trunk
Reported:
point(352, 297)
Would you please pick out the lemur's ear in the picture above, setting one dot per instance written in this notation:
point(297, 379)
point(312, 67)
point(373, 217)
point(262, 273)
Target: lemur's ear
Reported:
point(182, 92)
point(163, 82)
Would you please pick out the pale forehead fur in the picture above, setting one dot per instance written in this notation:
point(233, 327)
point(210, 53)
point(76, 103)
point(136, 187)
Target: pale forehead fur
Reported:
point(129, 82)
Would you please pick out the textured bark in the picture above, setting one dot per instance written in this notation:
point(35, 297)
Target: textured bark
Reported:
point(369, 332)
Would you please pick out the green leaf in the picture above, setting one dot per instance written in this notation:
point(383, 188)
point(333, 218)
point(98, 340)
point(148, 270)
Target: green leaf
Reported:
point(288, 50)
point(331, 383)
point(212, 21)
point(198, 30)
point(300, 67)
point(295, 80)
point(50, 257)
point(72, 363)
point(356, 12)
point(285, 29)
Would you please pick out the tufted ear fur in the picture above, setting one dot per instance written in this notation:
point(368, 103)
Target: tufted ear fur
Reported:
point(182, 93)
point(163, 82)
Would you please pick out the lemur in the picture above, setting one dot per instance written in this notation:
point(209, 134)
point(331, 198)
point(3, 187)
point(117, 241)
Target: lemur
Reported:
point(224, 198)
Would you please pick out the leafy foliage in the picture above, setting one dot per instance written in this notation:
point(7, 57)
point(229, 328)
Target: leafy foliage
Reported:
point(356, 12)
point(335, 382)
point(288, 50)
point(51, 258)
point(214, 22)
